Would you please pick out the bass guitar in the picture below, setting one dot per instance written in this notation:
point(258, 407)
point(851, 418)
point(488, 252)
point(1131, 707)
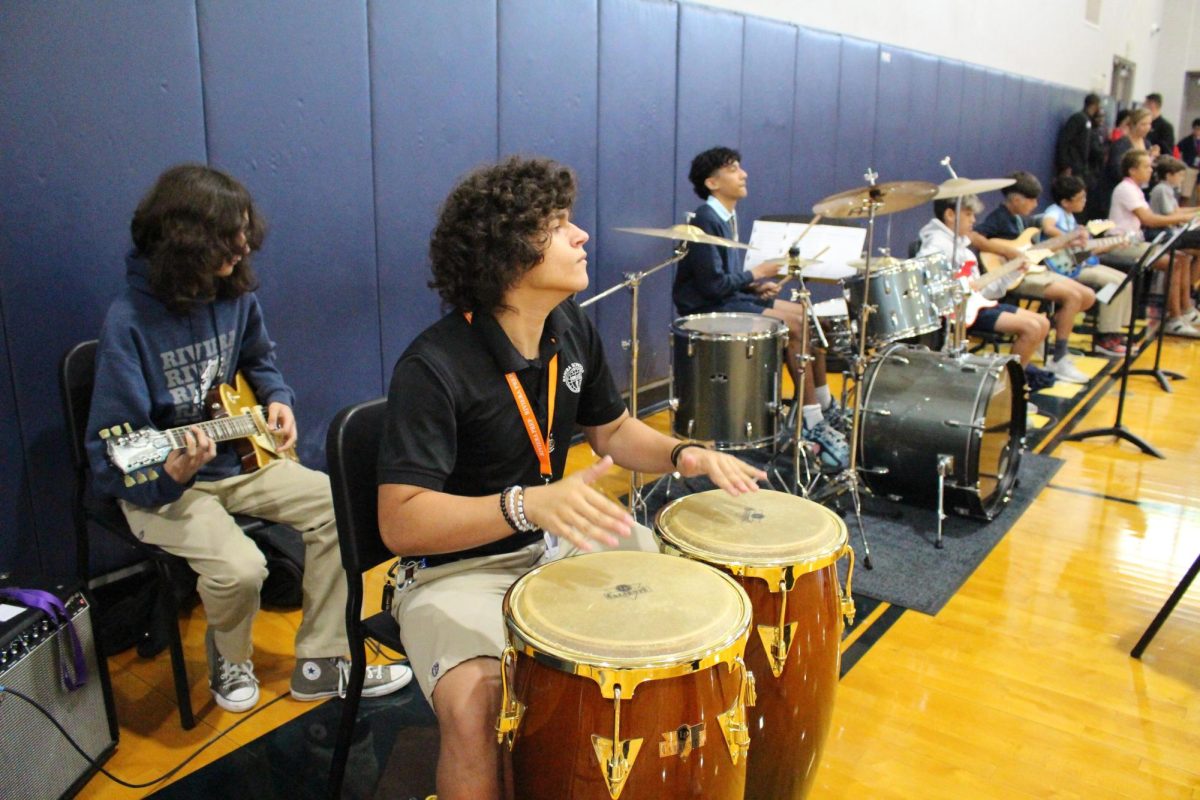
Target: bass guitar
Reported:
point(1024, 243)
point(234, 415)
point(1066, 262)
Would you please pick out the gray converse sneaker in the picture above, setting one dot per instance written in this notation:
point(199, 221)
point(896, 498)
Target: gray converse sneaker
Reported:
point(314, 678)
point(233, 685)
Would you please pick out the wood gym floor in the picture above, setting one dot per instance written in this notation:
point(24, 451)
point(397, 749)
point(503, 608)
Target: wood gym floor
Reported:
point(1021, 687)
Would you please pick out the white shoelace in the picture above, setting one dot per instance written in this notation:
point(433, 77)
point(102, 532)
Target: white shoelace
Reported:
point(234, 675)
point(374, 672)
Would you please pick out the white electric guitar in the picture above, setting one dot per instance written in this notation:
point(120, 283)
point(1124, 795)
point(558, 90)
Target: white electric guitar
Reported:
point(973, 287)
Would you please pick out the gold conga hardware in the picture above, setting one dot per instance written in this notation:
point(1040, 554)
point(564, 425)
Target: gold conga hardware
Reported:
point(847, 600)
point(777, 639)
point(682, 741)
point(511, 710)
point(616, 762)
point(733, 721)
point(750, 350)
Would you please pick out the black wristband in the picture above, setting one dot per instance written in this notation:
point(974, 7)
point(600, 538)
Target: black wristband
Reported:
point(512, 523)
point(679, 448)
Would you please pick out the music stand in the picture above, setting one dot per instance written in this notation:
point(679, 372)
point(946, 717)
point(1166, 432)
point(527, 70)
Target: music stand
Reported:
point(1163, 376)
point(1166, 610)
point(1118, 429)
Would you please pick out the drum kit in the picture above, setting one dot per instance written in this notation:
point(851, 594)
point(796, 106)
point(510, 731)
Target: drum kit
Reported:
point(708, 670)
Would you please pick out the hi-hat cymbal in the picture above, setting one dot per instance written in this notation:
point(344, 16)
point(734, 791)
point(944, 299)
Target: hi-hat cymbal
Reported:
point(687, 233)
point(800, 262)
point(887, 198)
point(957, 187)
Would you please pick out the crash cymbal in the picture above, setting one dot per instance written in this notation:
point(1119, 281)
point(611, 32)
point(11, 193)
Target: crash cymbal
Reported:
point(878, 262)
point(887, 198)
point(687, 233)
point(957, 187)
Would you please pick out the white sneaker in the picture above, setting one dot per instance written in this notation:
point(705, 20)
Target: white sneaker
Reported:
point(1179, 326)
point(1065, 370)
point(1192, 316)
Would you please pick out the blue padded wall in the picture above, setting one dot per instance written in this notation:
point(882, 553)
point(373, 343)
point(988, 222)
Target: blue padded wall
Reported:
point(636, 180)
point(18, 542)
point(709, 100)
point(969, 158)
point(1013, 119)
point(301, 142)
point(424, 144)
point(946, 125)
point(854, 137)
point(767, 118)
point(95, 105)
point(548, 86)
point(993, 155)
point(818, 70)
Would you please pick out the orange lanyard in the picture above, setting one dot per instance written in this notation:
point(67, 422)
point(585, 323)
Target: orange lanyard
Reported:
point(540, 447)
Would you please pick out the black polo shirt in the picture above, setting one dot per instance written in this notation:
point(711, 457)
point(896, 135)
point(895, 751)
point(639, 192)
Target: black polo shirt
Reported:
point(1003, 224)
point(452, 423)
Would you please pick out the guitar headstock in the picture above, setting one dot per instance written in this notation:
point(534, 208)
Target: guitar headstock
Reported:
point(1098, 226)
point(135, 453)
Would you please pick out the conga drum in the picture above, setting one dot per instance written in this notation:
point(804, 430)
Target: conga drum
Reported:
point(783, 550)
point(627, 680)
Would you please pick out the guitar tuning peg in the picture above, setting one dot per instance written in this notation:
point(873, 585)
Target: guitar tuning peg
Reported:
point(116, 430)
point(104, 434)
point(141, 477)
point(128, 429)
point(130, 482)
point(152, 474)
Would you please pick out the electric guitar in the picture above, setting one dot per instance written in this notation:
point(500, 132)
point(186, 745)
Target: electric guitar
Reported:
point(992, 261)
point(234, 415)
point(973, 289)
point(1064, 263)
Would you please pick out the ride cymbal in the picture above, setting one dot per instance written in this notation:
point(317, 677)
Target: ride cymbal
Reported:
point(687, 233)
point(886, 198)
point(958, 187)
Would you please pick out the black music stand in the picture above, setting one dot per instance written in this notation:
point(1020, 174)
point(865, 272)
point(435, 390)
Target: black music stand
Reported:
point(1164, 376)
point(1118, 429)
point(1166, 610)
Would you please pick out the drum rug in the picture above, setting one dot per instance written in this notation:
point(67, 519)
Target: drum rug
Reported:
point(909, 571)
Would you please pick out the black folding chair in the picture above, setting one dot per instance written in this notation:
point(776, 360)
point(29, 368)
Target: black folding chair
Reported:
point(77, 375)
point(352, 450)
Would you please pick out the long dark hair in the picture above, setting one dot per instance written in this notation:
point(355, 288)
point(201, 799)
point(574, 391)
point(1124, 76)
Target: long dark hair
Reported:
point(187, 226)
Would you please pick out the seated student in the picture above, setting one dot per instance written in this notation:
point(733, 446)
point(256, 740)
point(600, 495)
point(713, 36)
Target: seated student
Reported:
point(1005, 223)
point(1028, 329)
point(1130, 211)
point(1070, 198)
point(468, 484)
point(711, 279)
point(187, 322)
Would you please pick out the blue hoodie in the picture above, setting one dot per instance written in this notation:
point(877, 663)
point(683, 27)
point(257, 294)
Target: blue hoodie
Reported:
point(154, 368)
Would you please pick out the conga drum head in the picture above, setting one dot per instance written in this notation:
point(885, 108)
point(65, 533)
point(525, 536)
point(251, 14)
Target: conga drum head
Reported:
point(756, 529)
point(630, 611)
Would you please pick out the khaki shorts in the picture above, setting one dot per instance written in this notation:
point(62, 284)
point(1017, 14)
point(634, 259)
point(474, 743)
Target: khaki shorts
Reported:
point(452, 613)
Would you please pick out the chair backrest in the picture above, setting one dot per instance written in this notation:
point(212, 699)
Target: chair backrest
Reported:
point(914, 247)
point(76, 377)
point(352, 451)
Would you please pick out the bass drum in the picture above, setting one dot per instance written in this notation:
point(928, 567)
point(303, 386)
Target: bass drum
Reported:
point(919, 405)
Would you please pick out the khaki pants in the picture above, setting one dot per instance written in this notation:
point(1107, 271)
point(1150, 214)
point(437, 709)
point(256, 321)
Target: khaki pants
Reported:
point(1111, 317)
point(199, 528)
point(452, 613)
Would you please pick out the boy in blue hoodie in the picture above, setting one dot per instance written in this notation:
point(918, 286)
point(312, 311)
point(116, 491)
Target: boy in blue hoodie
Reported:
point(187, 322)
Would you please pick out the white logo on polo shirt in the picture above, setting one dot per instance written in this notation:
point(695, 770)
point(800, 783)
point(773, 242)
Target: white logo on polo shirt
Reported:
point(573, 377)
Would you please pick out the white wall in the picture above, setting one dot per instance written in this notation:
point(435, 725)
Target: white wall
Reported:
point(1178, 50)
point(1047, 39)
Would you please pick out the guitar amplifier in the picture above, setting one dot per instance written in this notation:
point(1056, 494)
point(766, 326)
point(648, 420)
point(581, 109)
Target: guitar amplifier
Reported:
point(40, 762)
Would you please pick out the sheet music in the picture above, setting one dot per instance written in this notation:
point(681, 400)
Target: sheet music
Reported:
point(772, 240)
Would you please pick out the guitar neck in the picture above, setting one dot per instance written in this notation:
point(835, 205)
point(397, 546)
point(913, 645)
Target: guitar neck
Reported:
point(222, 429)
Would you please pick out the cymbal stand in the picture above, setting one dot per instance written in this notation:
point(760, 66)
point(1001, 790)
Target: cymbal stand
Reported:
point(633, 282)
point(803, 358)
point(848, 480)
point(956, 343)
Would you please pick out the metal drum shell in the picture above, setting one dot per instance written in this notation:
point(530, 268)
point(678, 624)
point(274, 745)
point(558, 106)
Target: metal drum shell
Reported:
point(919, 404)
point(792, 715)
point(902, 307)
point(567, 701)
point(725, 385)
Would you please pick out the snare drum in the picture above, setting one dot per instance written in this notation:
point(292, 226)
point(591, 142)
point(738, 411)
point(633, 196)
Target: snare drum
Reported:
point(919, 405)
point(783, 551)
point(941, 287)
point(901, 306)
point(725, 378)
point(628, 679)
point(834, 318)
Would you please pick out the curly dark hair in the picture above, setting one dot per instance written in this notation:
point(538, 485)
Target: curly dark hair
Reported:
point(187, 226)
point(708, 162)
point(494, 227)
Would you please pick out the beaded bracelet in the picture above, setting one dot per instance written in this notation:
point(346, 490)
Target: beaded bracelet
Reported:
point(505, 502)
point(523, 522)
point(679, 448)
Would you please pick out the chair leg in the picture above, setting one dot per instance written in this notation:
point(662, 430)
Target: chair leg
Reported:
point(175, 644)
point(345, 734)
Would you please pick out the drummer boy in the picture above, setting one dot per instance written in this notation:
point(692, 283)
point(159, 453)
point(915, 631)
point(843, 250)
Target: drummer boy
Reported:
point(711, 278)
point(481, 410)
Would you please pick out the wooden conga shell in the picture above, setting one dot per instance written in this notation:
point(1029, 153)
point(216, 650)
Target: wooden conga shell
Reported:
point(598, 632)
point(770, 541)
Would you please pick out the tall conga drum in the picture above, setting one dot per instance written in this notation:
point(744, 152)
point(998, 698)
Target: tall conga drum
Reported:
point(783, 550)
point(624, 678)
